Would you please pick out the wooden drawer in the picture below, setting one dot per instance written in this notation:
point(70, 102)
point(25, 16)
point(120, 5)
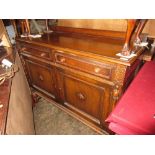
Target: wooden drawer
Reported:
point(36, 50)
point(86, 65)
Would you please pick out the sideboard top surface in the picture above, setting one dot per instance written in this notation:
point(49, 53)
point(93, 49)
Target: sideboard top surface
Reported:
point(106, 47)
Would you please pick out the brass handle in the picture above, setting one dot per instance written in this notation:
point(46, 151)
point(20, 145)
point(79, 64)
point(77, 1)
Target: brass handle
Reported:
point(97, 70)
point(62, 59)
point(43, 54)
point(1, 106)
point(81, 96)
point(22, 49)
point(41, 77)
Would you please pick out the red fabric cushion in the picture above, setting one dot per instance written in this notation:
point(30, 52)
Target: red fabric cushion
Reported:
point(136, 109)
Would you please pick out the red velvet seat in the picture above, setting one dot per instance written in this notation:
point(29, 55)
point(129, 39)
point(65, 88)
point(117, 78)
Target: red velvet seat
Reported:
point(135, 111)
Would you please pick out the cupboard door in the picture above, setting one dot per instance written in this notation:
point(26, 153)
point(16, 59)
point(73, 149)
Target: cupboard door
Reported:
point(84, 97)
point(41, 76)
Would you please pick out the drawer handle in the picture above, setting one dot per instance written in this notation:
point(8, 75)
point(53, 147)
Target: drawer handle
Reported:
point(97, 70)
point(62, 59)
point(81, 96)
point(41, 78)
point(43, 54)
point(1, 106)
point(22, 49)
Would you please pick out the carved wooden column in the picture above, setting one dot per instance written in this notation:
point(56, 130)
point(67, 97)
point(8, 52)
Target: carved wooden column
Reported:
point(118, 85)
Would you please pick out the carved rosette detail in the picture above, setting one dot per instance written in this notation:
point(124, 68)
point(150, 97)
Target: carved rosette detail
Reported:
point(116, 92)
point(115, 95)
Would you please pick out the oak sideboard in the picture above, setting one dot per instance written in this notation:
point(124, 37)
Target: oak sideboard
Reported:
point(80, 73)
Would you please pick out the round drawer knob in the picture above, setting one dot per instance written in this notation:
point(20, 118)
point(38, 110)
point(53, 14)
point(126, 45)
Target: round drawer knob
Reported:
point(42, 54)
point(81, 96)
point(41, 77)
point(62, 60)
point(97, 70)
point(22, 49)
point(1, 106)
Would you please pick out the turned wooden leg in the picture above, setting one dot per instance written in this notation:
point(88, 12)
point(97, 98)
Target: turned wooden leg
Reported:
point(140, 28)
point(131, 25)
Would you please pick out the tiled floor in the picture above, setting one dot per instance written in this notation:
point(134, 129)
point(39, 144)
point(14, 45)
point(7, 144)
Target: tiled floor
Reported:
point(50, 120)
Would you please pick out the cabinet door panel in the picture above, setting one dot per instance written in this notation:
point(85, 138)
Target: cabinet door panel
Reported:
point(41, 77)
point(86, 97)
point(83, 96)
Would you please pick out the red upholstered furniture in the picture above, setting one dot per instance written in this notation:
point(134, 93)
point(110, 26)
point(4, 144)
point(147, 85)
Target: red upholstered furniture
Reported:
point(135, 111)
